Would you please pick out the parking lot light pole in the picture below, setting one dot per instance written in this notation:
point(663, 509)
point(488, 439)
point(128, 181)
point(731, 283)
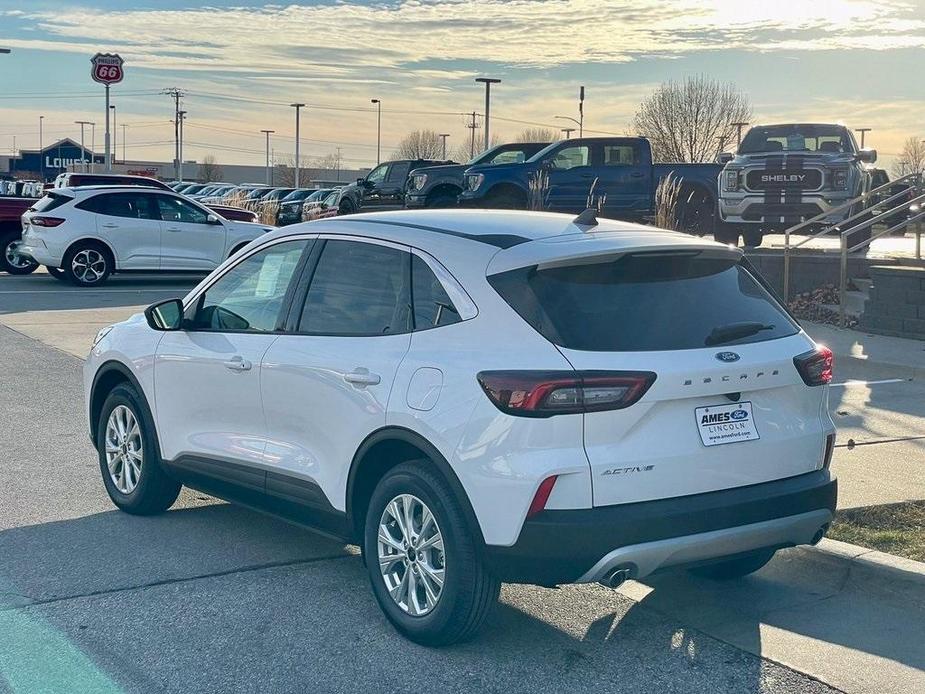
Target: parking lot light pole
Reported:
point(487, 81)
point(83, 150)
point(568, 132)
point(182, 117)
point(378, 126)
point(112, 159)
point(268, 133)
point(571, 130)
point(863, 132)
point(443, 137)
point(297, 158)
point(41, 153)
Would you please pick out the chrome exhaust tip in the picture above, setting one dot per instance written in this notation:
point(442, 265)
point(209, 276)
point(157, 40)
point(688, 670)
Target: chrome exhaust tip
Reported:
point(820, 534)
point(615, 578)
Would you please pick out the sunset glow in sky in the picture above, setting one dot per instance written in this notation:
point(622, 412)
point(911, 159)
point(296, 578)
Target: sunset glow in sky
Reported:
point(851, 61)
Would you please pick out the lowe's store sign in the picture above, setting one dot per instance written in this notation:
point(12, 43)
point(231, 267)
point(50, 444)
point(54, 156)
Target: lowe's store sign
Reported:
point(55, 159)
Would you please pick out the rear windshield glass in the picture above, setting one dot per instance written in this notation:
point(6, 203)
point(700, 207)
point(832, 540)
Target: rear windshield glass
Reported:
point(50, 202)
point(644, 302)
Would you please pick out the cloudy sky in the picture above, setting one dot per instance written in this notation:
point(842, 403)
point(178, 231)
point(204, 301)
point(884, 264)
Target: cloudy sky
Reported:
point(240, 64)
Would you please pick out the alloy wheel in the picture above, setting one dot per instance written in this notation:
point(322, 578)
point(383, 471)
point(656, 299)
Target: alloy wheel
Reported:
point(88, 265)
point(14, 259)
point(411, 557)
point(124, 449)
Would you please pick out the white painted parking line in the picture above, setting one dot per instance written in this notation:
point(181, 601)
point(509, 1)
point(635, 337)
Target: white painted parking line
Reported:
point(869, 383)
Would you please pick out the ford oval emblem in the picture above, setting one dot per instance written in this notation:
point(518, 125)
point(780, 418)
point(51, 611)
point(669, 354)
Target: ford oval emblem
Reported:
point(727, 357)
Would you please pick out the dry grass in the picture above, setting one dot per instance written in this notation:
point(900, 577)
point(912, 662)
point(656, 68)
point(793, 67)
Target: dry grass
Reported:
point(539, 191)
point(667, 196)
point(596, 201)
point(892, 528)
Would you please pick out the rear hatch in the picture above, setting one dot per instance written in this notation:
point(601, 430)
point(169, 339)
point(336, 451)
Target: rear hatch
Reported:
point(727, 407)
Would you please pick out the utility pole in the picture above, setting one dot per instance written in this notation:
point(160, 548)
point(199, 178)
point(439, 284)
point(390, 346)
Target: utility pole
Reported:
point(472, 125)
point(83, 151)
point(176, 94)
point(378, 127)
point(123, 143)
point(92, 146)
point(181, 116)
point(297, 157)
point(581, 112)
point(443, 137)
point(738, 126)
point(268, 133)
point(113, 155)
point(487, 81)
point(568, 132)
point(863, 132)
point(41, 150)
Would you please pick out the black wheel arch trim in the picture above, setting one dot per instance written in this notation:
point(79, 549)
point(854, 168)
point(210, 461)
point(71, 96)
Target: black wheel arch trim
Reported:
point(108, 367)
point(408, 436)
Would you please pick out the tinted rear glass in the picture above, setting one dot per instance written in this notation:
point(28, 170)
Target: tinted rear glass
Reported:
point(50, 202)
point(643, 302)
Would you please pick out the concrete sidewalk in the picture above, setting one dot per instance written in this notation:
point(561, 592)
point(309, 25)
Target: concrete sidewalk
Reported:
point(906, 355)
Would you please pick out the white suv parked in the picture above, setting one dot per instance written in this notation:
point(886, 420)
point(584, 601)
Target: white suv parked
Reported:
point(84, 234)
point(479, 396)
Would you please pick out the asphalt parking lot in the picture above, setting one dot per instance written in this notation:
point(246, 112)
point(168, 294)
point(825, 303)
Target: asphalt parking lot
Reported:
point(214, 597)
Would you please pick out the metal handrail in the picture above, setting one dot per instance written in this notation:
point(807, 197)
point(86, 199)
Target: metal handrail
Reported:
point(845, 250)
point(917, 184)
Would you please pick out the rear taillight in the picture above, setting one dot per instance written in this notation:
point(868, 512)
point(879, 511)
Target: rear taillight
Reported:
point(548, 393)
point(46, 221)
point(815, 367)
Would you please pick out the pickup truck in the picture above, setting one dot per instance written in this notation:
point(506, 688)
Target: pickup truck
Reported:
point(626, 181)
point(784, 174)
point(440, 186)
point(383, 188)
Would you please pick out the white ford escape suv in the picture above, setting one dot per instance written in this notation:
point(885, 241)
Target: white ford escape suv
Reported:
point(476, 397)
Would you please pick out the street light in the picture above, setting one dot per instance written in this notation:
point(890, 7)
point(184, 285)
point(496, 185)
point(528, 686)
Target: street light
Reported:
point(181, 116)
point(41, 152)
point(575, 121)
point(112, 156)
point(83, 151)
point(863, 132)
point(297, 158)
point(378, 126)
point(443, 137)
point(487, 81)
point(568, 132)
point(267, 133)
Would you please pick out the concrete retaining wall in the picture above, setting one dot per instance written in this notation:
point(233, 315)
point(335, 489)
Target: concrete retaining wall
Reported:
point(897, 302)
point(809, 271)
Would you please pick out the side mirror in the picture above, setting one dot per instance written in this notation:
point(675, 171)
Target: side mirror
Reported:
point(361, 181)
point(165, 315)
point(213, 219)
point(868, 156)
point(725, 157)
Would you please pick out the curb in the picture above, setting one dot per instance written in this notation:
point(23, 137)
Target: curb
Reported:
point(867, 560)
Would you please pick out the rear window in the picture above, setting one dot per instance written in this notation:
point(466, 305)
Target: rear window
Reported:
point(645, 302)
point(50, 202)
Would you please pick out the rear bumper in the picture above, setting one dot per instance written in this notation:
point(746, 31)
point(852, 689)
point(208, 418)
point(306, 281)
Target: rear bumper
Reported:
point(36, 249)
point(584, 545)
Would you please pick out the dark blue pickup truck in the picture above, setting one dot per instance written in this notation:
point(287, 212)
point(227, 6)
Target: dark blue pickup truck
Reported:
point(626, 178)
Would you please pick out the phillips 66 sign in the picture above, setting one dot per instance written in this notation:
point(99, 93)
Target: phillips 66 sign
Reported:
point(106, 68)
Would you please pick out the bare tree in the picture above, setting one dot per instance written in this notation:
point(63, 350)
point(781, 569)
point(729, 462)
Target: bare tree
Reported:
point(284, 175)
point(537, 135)
point(692, 120)
point(328, 161)
point(209, 170)
point(462, 154)
point(420, 144)
point(912, 157)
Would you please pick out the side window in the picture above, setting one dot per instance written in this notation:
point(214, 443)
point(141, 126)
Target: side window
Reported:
point(377, 175)
point(249, 296)
point(129, 205)
point(398, 172)
point(432, 306)
point(511, 156)
point(176, 210)
point(570, 157)
point(620, 155)
point(358, 289)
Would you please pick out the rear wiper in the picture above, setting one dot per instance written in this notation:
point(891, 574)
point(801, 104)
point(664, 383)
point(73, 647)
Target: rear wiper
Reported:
point(734, 331)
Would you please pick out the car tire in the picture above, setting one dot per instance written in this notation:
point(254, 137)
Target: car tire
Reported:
point(726, 233)
point(130, 462)
point(505, 201)
point(441, 202)
point(452, 611)
point(345, 206)
point(752, 239)
point(57, 273)
point(87, 264)
point(734, 568)
point(11, 262)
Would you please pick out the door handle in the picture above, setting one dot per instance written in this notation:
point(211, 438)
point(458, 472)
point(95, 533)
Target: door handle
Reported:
point(238, 363)
point(109, 226)
point(362, 377)
point(174, 229)
point(637, 174)
point(587, 175)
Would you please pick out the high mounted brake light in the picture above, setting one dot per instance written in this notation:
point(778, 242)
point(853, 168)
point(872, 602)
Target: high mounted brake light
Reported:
point(815, 366)
point(548, 393)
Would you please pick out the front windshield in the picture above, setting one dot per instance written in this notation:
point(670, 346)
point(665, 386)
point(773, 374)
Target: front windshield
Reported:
point(797, 138)
point(543, 153)
point(295, 195)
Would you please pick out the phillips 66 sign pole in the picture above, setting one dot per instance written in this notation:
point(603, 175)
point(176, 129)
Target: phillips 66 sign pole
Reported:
point(106, 68)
